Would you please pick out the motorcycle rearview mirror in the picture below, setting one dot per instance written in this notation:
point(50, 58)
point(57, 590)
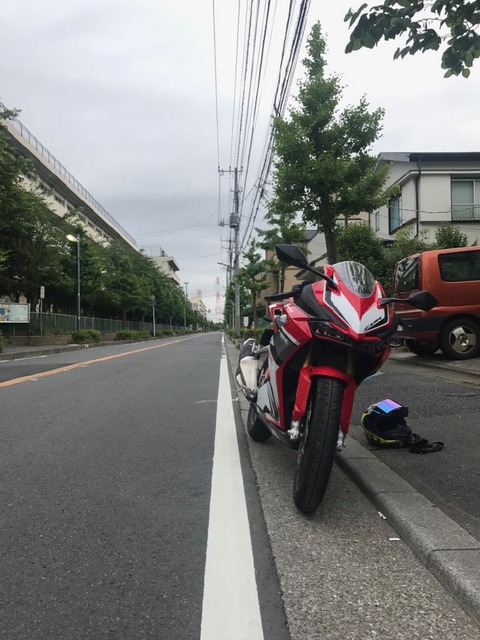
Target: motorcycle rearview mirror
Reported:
point(421, 299)
point(292, 255)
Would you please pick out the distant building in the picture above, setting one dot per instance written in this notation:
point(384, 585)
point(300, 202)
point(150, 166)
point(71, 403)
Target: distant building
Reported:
point(167, 264)
point(198, 305)
point(62, 192)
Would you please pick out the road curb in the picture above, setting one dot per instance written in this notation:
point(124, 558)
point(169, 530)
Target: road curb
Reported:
point(35, 352)
point(449, 552)
point(446, 549)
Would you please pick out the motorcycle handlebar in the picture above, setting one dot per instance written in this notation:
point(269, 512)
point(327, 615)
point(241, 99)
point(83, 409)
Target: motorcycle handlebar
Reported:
point(279, 296)
point(297, 289)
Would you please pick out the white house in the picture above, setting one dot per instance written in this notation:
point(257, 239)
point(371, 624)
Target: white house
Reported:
point(434, 188)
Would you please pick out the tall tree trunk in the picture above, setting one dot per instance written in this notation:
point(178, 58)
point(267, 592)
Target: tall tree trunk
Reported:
point(281, 279)
point(330, 243)
point(254, 308)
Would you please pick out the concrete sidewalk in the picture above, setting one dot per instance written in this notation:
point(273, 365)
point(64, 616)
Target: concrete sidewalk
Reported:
point(443, 546)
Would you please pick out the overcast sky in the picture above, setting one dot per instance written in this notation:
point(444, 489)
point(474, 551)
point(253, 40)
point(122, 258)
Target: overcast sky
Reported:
point(122, 92)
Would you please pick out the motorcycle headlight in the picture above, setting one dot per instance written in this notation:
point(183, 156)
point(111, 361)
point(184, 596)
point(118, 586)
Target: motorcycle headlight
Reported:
point(326, 330)
point(373, 346)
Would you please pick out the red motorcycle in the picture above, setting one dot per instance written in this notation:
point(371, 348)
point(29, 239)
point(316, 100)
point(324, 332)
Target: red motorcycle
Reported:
point(327, 337)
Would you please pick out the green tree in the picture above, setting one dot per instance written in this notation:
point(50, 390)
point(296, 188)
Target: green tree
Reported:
point(252, 276)
point(30, 239)
point(282, 229)
point(323, 167)
point(449, 237)
point(357, 241)
point(427, 25)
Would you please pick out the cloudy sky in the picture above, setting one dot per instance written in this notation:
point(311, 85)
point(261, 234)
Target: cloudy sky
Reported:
point(130, 97)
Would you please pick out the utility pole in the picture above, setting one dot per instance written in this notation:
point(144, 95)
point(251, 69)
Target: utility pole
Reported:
point(185, 311)
point(236, 264)
point(234, 224)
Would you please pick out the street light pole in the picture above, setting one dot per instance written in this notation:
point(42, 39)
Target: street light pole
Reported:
point(76, 239)
point(154, 302)
point(185, 313)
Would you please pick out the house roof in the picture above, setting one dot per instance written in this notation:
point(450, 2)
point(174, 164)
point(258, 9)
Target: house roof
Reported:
point(441, 156)
point(310, 233)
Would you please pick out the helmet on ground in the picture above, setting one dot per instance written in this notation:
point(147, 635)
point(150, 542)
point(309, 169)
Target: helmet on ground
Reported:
point(384, 425)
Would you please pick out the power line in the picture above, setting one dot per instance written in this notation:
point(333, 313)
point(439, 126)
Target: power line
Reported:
point(216, 79)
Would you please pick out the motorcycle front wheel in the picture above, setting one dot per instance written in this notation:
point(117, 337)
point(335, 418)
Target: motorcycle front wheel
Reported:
point(318, 444)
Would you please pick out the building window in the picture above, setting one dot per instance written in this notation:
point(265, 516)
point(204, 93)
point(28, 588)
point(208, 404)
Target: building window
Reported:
point(377, 220)
point(394, 213)
point(465, 199)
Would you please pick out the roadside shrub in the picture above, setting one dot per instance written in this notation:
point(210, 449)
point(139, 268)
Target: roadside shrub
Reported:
point(132, 334)
point(251, 333)
point(125, 334)
point(86, 336)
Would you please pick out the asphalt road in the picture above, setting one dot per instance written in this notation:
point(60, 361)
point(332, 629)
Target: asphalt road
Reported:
point(105, 481)
point(106, 522)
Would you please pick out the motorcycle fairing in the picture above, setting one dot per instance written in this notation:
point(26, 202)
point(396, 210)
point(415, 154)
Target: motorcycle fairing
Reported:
point(355, 303)
point(303, 391)
point(267, 394)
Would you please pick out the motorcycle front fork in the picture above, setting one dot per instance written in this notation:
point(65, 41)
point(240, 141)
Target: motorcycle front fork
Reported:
point(294, 435)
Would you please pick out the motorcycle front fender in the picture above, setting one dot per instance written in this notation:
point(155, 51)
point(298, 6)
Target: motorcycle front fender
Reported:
point(305, 384)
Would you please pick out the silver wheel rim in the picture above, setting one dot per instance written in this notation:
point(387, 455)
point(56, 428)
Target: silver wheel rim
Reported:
point(462, 339)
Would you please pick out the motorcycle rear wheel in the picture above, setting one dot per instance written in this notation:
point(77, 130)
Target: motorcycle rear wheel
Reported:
point(255, 427)
point(319, 441)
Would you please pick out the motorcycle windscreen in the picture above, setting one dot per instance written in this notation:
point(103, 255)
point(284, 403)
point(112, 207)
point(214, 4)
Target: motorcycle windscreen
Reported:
point(356, 277)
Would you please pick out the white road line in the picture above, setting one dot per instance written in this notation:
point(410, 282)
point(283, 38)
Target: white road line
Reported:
point(230, 600)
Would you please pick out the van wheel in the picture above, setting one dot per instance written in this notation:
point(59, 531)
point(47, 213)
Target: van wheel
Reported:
point(460, 339)
point(421, 348)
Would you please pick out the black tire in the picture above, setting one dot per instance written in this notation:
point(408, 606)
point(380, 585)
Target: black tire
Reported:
point(255, 427)
point(319, 441)
point(460, 339)
point(421, 348)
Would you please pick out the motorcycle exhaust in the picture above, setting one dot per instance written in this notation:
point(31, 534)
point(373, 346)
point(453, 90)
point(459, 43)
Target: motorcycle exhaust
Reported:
point(247, 369)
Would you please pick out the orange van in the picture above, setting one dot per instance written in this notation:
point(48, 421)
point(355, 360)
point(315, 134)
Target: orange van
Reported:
point(453, 277)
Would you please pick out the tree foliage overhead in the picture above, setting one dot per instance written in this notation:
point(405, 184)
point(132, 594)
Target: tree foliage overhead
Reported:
point(323, 167)
point(452, 24)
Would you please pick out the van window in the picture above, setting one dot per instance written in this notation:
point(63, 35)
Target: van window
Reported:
point(406, 275)
point(455, 267)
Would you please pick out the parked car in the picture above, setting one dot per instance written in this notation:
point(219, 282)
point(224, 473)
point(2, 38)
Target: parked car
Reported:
point(452, 276)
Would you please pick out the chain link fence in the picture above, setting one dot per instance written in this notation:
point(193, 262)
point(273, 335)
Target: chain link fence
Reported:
point(56, 324)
